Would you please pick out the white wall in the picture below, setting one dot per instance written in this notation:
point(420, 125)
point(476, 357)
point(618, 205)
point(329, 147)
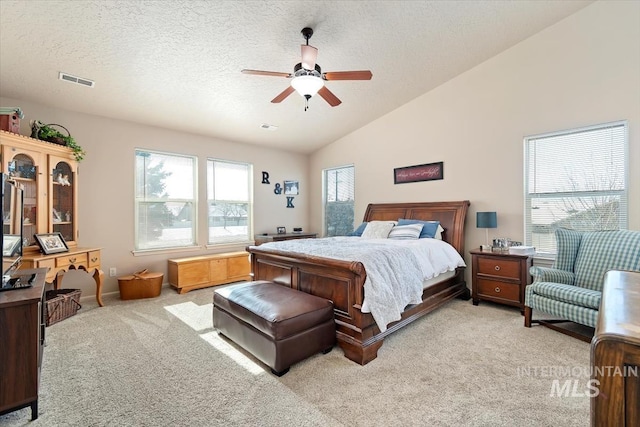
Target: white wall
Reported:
point(106, 184)
point(581, 71)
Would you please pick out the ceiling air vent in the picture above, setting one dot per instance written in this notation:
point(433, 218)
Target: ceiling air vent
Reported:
point(77, 80)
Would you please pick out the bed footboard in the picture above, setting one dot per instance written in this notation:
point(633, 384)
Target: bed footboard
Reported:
point(343, 283)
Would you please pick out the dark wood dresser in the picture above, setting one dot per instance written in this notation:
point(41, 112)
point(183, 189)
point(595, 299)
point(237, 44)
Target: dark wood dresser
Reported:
point(264, 238)
point(615, 353)
point(22, 328)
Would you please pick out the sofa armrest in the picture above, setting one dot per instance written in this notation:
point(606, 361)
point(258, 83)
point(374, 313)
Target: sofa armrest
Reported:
point(546, 274)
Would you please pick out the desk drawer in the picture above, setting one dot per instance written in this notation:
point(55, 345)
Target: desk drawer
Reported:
point(75, 259)
point(495, 266)
point(94, 259)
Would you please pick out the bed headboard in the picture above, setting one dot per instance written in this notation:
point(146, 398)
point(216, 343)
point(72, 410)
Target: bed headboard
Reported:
point(451, 215)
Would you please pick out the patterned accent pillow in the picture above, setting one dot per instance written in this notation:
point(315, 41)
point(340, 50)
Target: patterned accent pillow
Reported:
point(568, 242)
point(377, 229)
point(429, 228)
point(406, 232)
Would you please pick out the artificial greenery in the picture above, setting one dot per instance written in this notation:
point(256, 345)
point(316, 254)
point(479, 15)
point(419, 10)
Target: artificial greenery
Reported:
point(48, 133)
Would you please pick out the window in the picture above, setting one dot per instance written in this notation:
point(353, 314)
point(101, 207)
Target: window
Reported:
point(338, 201)
point(165, 200)
point(575, 179)
point(229, 198)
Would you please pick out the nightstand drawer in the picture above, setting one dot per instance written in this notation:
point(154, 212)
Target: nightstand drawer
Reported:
point(495, 266)
point(497, 289)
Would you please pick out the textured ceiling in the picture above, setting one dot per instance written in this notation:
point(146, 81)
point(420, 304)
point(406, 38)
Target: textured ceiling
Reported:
point(177, 63)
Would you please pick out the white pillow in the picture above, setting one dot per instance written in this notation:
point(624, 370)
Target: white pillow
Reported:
point(377, 229)
point(406, 232)
point(439, 231)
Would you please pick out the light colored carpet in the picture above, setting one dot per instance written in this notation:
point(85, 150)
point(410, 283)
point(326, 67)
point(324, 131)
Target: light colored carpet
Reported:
point(158, 362)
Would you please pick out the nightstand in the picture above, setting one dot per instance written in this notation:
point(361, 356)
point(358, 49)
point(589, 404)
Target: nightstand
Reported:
point(500, 277)
point(264, 238)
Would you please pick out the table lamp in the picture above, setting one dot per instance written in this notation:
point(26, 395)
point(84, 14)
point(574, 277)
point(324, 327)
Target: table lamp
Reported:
point(486, 220)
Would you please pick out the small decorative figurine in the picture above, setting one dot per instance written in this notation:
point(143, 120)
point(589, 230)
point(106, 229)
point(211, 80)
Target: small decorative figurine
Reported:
point(63, 180)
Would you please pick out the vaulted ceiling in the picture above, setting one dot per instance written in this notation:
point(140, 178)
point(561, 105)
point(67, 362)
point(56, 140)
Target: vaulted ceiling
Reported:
point(176, 64)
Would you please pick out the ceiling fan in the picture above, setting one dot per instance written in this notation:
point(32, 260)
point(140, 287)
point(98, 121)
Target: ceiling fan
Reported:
point(308, 78)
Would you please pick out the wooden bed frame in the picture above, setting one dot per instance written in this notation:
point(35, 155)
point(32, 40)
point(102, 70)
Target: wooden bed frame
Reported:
point(343, 281)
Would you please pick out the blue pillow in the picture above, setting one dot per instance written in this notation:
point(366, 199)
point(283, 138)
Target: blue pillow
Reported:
point(358, 231)
point(429, 228)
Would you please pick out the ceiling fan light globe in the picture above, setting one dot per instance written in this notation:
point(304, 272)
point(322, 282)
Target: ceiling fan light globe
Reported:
point(307, 85)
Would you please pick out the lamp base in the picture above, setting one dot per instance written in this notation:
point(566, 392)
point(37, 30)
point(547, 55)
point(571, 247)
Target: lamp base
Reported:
point(485, 248)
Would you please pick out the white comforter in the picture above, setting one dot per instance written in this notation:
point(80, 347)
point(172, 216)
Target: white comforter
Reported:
point(395, 268)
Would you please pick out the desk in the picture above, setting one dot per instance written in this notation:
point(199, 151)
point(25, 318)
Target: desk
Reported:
point(85, 259)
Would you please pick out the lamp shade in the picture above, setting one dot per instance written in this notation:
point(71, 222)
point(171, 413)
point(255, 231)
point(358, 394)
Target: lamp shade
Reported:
point(307, 85)
point(486, 220)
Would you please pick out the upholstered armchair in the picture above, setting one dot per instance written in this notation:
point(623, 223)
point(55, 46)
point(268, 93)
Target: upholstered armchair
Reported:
point(571, 289)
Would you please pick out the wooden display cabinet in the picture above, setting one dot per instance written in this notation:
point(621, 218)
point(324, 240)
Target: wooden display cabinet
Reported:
point(48, 175)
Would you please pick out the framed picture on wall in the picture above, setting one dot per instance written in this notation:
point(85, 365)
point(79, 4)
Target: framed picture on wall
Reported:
point(417, 173)
point(291, 188)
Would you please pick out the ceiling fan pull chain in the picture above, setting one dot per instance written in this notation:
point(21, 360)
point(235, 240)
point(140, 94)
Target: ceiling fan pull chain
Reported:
point(306, 102)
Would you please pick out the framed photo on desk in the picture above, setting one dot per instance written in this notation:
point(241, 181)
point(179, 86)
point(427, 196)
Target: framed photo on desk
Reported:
point(11, 245)
point(51, 243)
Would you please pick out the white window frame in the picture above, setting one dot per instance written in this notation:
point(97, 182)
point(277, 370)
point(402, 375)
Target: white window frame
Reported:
point(141, 199)
point(530, 194)
point(325, 201)
point(232, 240)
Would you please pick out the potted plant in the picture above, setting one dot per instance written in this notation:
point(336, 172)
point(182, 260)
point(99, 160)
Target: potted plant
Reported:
point(47, 133)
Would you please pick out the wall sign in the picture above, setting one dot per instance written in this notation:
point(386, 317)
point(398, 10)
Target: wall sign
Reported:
point(426, 172)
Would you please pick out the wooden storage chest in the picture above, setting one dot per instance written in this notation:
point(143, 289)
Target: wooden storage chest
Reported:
point(186, 274)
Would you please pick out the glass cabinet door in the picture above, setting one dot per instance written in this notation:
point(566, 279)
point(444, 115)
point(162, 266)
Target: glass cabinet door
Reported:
point(23, 167)
point(63, 199)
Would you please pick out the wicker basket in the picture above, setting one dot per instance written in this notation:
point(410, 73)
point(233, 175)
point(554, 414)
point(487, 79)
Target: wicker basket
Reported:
point(60, 304)
point(35, 133)
point(142, 284)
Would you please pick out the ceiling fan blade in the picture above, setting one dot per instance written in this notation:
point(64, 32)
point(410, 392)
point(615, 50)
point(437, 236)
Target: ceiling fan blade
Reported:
point(348, 75)
point(288, 91)
point(266, 73)
point(329, 96)
point(309, 56)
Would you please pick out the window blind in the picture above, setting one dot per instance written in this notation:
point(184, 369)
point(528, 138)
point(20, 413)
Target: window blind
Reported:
point(339, 200)
point(164, 200)
point(229, 195)
point(575, 179)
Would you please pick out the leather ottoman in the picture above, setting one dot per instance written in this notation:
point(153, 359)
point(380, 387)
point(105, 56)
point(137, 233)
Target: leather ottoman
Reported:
point(278, 325)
